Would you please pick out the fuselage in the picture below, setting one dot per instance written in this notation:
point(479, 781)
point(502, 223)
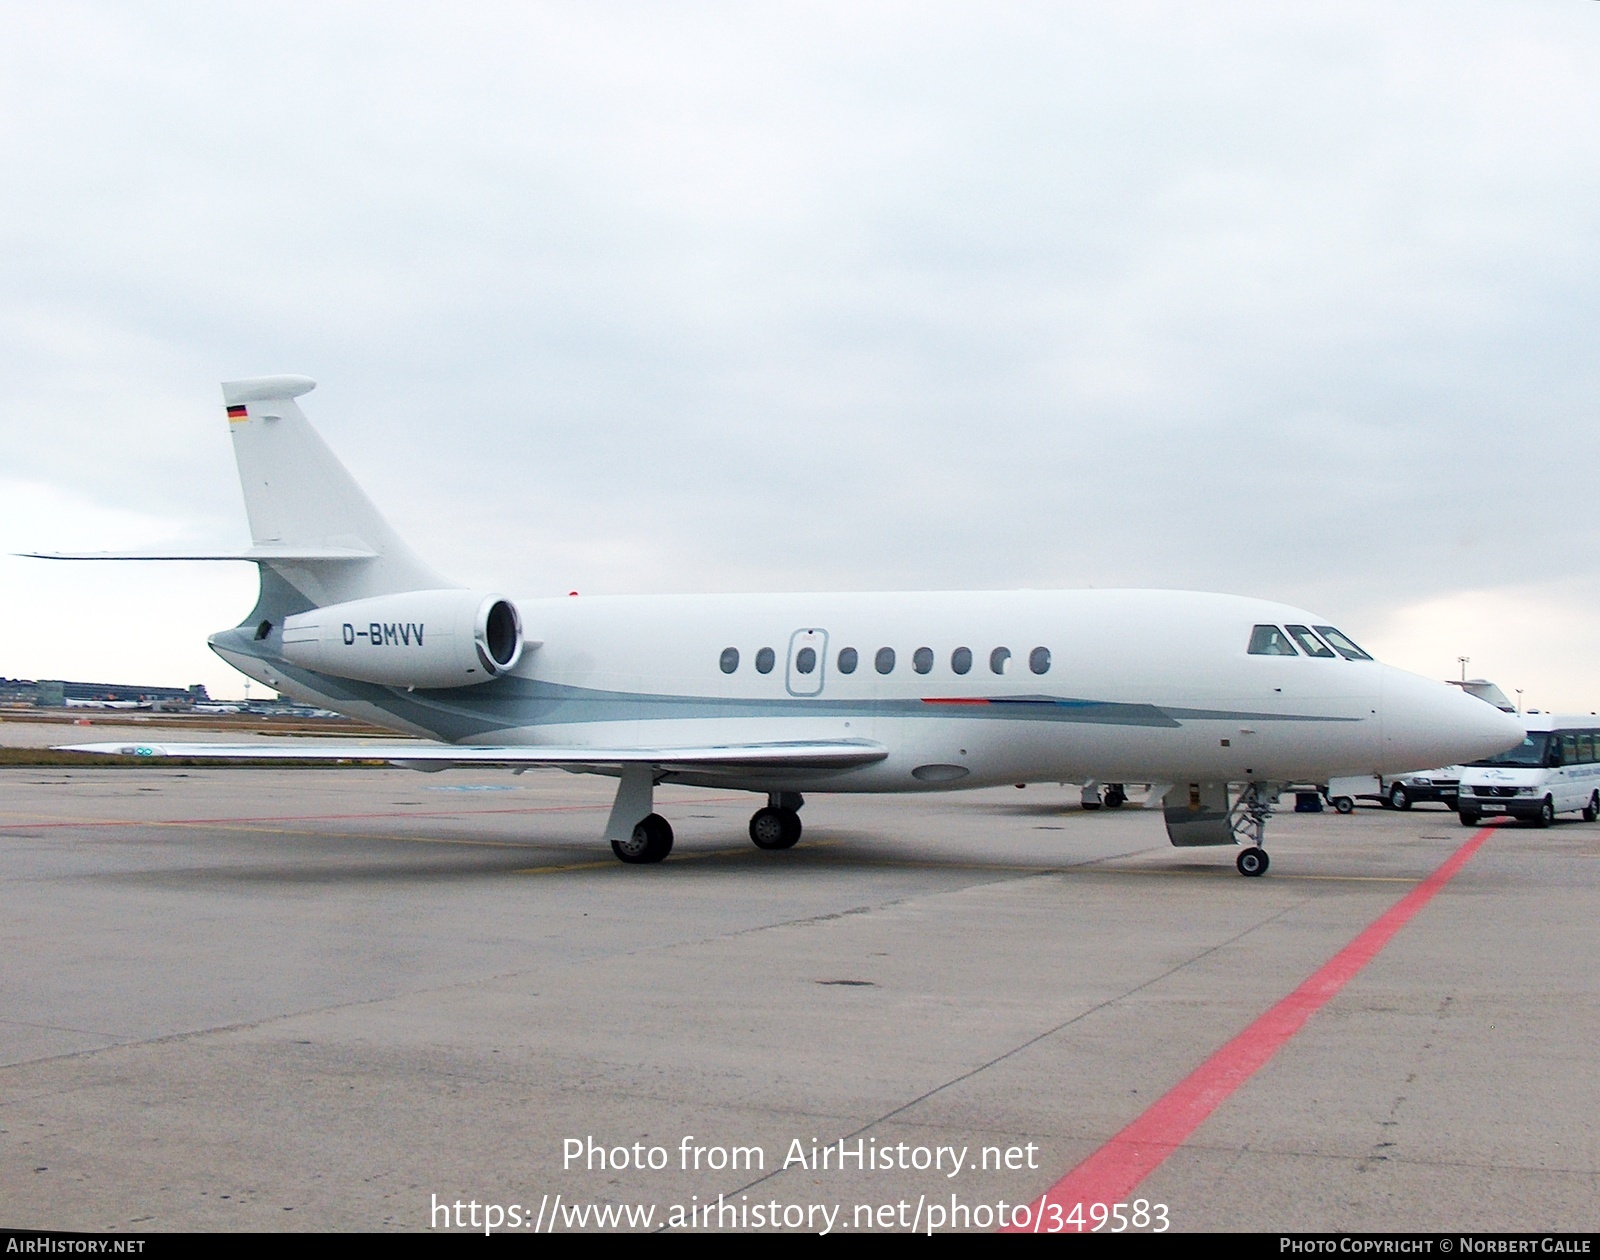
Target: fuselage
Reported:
point(964, 689)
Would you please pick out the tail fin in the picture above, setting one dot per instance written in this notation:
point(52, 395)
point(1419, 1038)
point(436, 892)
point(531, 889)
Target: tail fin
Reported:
point(304, 505)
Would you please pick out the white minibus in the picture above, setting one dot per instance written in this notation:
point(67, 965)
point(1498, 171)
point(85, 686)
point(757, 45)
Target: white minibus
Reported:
point(1555, 770)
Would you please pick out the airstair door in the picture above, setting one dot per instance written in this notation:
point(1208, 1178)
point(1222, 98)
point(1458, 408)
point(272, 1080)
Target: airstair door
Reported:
point(808, 662)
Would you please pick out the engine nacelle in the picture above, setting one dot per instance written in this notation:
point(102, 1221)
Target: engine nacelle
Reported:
point(416, 639)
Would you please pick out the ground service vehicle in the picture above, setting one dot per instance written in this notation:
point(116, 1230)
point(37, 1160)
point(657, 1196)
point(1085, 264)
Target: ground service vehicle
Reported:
point(1555, 770)
point(1399, 791)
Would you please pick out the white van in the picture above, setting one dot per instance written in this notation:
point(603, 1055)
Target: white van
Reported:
point(1556, 770)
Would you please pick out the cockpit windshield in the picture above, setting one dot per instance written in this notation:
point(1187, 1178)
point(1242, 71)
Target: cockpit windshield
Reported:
point(1342, 645)
point(1270, 641)
point(1309, 643)
point(1530, 754)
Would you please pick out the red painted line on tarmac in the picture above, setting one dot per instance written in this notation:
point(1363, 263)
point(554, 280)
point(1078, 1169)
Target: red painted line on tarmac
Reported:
point(1113, 1172)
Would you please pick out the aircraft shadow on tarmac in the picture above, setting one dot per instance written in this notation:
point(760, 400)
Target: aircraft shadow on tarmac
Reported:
point(424, 861)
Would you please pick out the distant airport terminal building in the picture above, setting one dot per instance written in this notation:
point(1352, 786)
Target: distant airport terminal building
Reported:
point(48, 694)
point(54, 694)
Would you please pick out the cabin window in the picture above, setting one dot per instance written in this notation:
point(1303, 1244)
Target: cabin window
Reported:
point(805, 660)
point(999, 660)
point(766, 658)
point(849, 658)
point(1309, 643)
point(1342, 645)
point(1039, 660)
point(922, 660)
point(961, 660)
point(1270, 641)
point(884, 661)
point(730, 660)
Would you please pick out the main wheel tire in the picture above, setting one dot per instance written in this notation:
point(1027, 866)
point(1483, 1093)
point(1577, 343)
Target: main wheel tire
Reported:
point(775, 828)
point(1591, 811)
point(1470, 818)
point(1399, 798)
point(1546, 814)
point(651, 841)
point(1343, 805)
point(1116, 797)
point(1252, 861)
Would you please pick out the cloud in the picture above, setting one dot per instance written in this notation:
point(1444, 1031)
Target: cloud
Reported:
point(102, 622)
point(1536, 640)
point(1294, 301)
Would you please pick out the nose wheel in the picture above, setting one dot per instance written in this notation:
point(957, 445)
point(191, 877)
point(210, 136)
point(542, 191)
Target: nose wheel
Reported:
point(1252, 861)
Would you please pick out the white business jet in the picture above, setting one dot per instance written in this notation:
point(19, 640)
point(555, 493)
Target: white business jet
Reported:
point(1217, 701)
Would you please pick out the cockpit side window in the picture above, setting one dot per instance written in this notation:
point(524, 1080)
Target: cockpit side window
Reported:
point(1270, 641)
point(1342, 645)
point(1309, 643)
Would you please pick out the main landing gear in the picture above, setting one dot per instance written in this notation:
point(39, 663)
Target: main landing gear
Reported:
point(649, 839)
point(778, 825)
point(650, 842)
point(637, 833)
point(1114, 797)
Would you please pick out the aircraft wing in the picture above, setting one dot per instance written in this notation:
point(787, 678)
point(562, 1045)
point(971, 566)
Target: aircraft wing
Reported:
point(838, 754)
point(261, 551)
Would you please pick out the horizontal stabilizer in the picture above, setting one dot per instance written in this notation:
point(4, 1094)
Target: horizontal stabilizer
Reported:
point(259, 552)
point(265, 389)
point(806, 755)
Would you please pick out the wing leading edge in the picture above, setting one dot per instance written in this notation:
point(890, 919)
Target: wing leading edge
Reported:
point(801, 755)
point(259, 553)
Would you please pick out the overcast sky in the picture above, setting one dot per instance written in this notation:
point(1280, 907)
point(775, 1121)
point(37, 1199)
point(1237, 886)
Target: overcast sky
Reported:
point(1296, 301)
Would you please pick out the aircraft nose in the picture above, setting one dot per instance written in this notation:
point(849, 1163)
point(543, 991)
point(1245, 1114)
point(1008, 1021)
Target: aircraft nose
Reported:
point(1428, 723)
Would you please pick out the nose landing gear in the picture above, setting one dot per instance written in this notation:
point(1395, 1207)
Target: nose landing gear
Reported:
point(1252, 861)
point(1248, 818)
